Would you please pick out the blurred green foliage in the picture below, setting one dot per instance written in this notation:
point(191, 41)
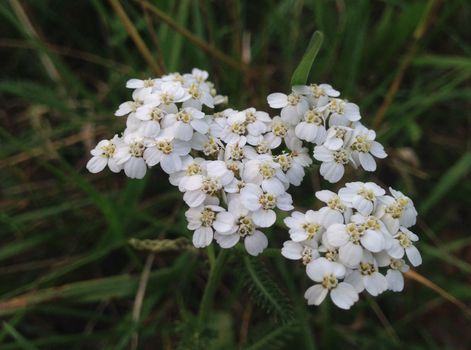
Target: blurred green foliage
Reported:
point(69, 278)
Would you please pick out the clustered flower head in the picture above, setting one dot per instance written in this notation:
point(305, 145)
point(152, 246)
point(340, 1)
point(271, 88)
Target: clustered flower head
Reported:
point(358, 241)
point(235, 167)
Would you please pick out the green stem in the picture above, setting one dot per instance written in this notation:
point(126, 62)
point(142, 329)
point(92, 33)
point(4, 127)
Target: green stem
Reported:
point(210, 289)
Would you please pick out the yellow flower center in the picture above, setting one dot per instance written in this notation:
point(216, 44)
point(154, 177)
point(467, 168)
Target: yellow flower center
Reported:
point(312, 117)
point(210, 148)
point(293, 99)
point(340, 156)
point(311, 229)
point(367, 269)
point(267, 171)
point(246, 226)
point(268, 201)
point(279, 129)
point(193, 169)
point(136, 149)
point(210, 187)
point(238, 128)
point(207, 217)
point(329, 282)
point(108, 150)
point(165, 147)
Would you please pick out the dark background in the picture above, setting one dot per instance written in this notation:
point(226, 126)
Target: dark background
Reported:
point(69, 278)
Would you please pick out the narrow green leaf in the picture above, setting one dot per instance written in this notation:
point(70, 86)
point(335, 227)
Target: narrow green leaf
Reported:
point(301, 74)
point(448, 180)
point(22, 342)
point(277, 337)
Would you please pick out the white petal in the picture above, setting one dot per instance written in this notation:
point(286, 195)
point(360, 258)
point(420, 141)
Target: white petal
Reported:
point(134, 83)
point(317, 269)
point(227, 241)
point(315, 295)
point(152, 156)
point(332, 171)
point(184, 131)
point(273, 185)
point(225, 222)
point(264, 218)
point(96, 164)
point(194, 198)
point(378, 150)
point(292, 250)
point(331, 217)
point(114, 166)
point(396, 251)
point(150, 128)
point(324, 195)
point(395, 280)
point(256, 243)
point(363, 205)
point(277, 100)
point(373, 241)
point(367, 161)
point(171, 163)
point(344, 295)
point(135, 168)
point(337, 235)
point(355, 280)
point(200, 125)
point(323, 154)
point(375, 284)
point(414, 256)
point(202, 237)
point(350, 254)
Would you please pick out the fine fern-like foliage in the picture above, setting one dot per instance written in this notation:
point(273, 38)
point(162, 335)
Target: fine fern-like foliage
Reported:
point(276, 338)
point(264, 291)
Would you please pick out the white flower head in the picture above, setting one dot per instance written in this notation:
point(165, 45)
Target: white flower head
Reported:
point(237, 223)
point(364, 147)
point(267, 173)
point(201, 219)
point(187, 121)
point(318, 95)
point(336, 210)
point(293, 106)
point(130, 155)
point(168, 152)
point(328, 274)
point(333, 162)
point(311, 128)
point(361, 196)
point(341, 112)
point(368, 276)
point(104, 154)
point(403, 242)
point(262, 203)
point(305, 226)
point(306, 251)
point(130, 107)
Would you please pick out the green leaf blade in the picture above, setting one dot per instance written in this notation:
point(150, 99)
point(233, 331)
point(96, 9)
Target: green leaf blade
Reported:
point(301, 73)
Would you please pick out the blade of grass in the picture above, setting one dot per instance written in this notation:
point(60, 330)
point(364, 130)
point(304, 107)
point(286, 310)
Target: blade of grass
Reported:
point(451, 178)
point(443, 293)
point(419, 32)
point(136, 37)
point(301, 74)
point(213, 51)
point(92, 290)
point(22, 342)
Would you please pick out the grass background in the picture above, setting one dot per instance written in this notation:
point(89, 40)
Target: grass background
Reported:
point(69, 278)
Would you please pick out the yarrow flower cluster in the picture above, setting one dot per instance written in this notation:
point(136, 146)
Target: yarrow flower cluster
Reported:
point(235, 167)
point(358, 241)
